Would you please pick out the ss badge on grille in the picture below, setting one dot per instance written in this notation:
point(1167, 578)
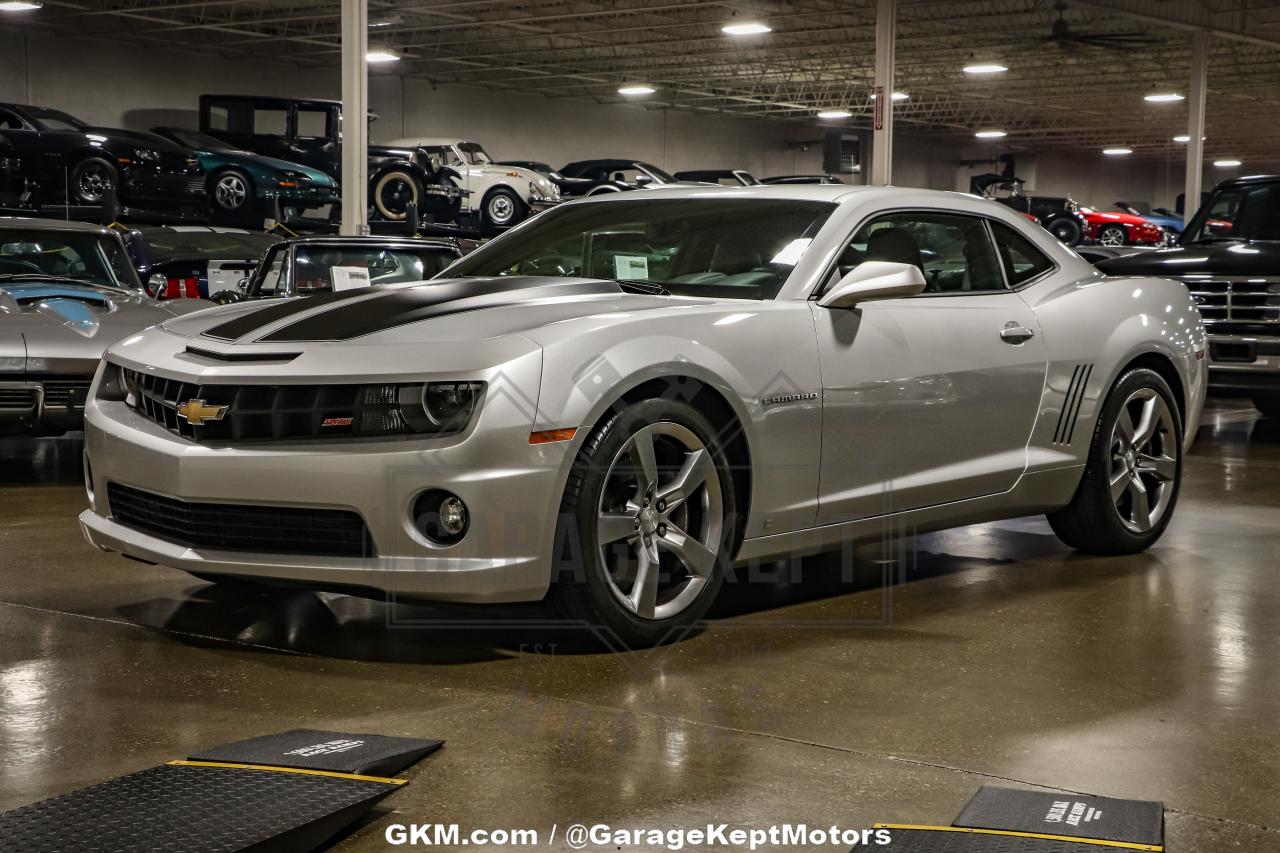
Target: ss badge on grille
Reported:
point(198, 411)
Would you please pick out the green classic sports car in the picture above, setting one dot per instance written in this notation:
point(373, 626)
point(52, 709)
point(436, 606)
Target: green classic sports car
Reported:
point(241, 184)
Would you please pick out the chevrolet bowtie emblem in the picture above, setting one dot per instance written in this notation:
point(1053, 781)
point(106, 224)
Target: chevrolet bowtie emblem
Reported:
point(198, 411)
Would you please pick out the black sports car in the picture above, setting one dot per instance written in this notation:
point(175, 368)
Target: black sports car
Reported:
point(57, 158)
point(611, 176)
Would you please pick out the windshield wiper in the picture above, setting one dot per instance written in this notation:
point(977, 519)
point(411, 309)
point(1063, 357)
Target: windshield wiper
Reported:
point(642, 285)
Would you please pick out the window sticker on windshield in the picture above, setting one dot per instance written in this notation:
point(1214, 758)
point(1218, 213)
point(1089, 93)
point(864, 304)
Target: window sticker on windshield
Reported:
point(349, 278)
point(630, 266)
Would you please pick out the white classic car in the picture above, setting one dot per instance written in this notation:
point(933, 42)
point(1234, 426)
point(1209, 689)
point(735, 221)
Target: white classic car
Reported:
point(500, 195)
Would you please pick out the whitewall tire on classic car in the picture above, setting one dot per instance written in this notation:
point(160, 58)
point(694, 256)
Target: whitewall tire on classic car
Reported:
point(646, 525)
point(90, 179)
point(502, 208)
point(394, 192)
point(1130, 484)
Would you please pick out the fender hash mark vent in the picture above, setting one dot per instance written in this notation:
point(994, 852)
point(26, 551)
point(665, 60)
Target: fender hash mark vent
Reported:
point(1071, 404)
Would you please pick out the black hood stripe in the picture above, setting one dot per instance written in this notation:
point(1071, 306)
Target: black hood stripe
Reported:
point(252, 321)
point(401, 307)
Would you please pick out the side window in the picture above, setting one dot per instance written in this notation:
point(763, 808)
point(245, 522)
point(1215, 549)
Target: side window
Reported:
point(218, 119)
point(313, 124)
point(10, 121)
point(270, 123)
point(1022, 260)
point(953, 251)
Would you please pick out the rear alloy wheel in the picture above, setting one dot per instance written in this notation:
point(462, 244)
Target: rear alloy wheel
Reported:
point(231, 191)
point(1268, 402)
point(1112, 235)
point(1066, 230)
point(649, 509)
point(394, 192)
point(502, 209)
point(90, 180)
point(1130, 485)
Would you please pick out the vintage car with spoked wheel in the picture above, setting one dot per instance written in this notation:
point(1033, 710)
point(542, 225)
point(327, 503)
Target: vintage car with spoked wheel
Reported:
point(581, 412)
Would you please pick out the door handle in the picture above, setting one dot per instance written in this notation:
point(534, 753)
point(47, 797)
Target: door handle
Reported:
point(1012, 333)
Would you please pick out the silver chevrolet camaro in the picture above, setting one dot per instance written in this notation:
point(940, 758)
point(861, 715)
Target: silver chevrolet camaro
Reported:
point(613, 403)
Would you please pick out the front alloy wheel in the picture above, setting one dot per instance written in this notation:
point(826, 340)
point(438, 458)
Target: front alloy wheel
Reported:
point(231, 192)
point(91, 179)
point(1143, 466)
point(1112, 235)
point(646, 524)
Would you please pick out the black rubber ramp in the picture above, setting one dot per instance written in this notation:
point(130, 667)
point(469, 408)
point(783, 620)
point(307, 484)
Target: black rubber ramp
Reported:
point(186, 807)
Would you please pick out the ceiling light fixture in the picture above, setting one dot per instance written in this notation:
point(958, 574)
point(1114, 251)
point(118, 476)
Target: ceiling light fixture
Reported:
point(746, 28)
point(985, 68)
point(991, 134)
point(636, 89)
point(1117, 152)
point(378, 56)
point(834, 114)
point(1227, 164)
point(897, 96)
point(1164, 97)
point(18, 6)
point(1183, 138)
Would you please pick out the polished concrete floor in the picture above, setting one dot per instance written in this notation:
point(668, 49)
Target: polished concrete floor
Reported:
point(822, 697)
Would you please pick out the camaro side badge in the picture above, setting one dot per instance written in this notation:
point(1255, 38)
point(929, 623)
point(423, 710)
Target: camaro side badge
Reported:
point(198, 411)
point(789, 398)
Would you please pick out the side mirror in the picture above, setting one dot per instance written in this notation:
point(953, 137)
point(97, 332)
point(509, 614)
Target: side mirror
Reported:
point(874, 280)
point(156, 285)
point(643, 180)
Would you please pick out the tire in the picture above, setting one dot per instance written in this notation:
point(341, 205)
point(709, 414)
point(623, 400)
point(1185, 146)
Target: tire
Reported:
point(393, 192)
point(1112, 235)
point(231, 192)
point(503, 208)
point(90, 179)
point(1103, 520)
point(1268, 402)
point(1067, 230)
point(598, 583)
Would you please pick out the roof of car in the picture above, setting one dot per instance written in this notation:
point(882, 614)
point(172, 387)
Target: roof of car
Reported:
point(376, 240)
point(30, 224)
point(429, 140)
point(1250, 179)
point(834, 193)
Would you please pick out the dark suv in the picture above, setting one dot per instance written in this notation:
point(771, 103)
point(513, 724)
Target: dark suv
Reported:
point(51, 157)
point(309, 131)
point(1229, 257)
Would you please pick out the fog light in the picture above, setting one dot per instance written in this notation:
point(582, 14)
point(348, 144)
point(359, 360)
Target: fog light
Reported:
point(441, 517)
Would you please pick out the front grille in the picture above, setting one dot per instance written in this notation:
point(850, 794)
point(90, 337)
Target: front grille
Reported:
point(241, 527)
point(195, 186)
point(269, 412)
point(1237, 299)
point(58, 392)
point(17, 398)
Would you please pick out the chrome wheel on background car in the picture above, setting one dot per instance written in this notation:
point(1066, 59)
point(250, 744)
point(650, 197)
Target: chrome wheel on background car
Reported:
point(1134, 468)
point(647, 524)
point(1143, 469)
point(1112, 235)
point(231, 191)
point(501, 208)
point(90, 180)
point(660, 513)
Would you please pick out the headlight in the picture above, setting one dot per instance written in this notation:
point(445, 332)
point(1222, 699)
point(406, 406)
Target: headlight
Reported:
point(439, 408)
point(146, 155)
point(535, 191)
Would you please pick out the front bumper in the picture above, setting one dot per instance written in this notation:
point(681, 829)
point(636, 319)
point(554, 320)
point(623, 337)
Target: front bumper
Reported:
point(1244, 363)
point(305, 197)
point(510, 488)
point(42, 405)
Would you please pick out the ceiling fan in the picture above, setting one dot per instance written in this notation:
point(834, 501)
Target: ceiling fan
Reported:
point(1063, 36)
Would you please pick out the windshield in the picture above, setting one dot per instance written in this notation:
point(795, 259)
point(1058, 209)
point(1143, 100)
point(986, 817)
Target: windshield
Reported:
point(474, 153)
point(1238, 213)
point(164, 245)
point(728, 248)
point(91, 258)
point(196, 139)
point(323, 269)
point(655, 173)
point(55, 120)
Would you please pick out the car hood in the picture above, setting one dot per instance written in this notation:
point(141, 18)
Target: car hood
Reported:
point(460, 310)
point(1235, 257)
point(1101, 216)
point(140, 138)
point(75, 320)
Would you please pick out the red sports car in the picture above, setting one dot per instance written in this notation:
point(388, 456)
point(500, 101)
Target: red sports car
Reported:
point(1113, 228)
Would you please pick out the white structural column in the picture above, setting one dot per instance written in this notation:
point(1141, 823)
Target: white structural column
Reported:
point(355, 123)
point(882, 111)
point(1195, 121)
